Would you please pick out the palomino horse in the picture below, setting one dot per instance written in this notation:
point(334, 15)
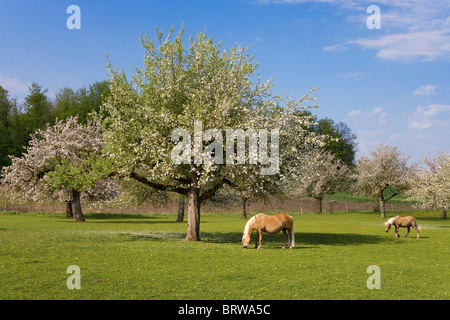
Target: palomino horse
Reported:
point(404, 222)
point(270, 224)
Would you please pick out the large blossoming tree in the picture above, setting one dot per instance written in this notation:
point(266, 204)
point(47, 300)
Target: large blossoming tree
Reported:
point(384, 169)
point(200, 90)
point(61, 161)
point(430, 185)
point(323, 174)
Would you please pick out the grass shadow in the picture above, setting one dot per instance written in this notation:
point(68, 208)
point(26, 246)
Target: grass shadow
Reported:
point(301, 238)
point(338, 239)
point(128, 218)
point(119, 216)
point(155, 236)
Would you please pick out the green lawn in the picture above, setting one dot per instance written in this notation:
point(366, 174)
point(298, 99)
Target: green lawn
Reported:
point(146, 257)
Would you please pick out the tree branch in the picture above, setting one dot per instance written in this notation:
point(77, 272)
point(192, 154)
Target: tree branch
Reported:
point(396, 193)
point(158, 186)
point(208, 194)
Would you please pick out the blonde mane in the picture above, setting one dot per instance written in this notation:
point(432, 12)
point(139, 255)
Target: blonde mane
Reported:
point(248, 225)
point(390, 221)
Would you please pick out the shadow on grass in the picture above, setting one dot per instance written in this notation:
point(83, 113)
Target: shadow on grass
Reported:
point(128, 218)
point(301, 238)
point(119, 216)
point(270, 241)
point(155, 236)
point(338, 239)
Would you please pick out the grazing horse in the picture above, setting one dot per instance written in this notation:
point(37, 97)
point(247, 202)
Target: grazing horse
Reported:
point(270, 224)
point(404, 222)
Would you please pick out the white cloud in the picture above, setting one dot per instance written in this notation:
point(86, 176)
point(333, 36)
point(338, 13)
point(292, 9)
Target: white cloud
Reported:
point(382, 118)
point(14, 85)
point(416, 29)
point(354, 113)
point(353, 75)
point(377, 110)
point(335, 48)
point(425, 90)
point(433, 115)
point(369, 116)
point(410, 46)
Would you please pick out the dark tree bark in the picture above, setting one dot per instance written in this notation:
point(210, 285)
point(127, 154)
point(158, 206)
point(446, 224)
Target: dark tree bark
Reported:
point(180, 215)
point(69, 212)
point(383, 202)
point(319, 205)
point(77, 212)
point(244, 208)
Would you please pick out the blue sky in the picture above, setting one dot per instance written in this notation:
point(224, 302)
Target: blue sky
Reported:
point(389, 85)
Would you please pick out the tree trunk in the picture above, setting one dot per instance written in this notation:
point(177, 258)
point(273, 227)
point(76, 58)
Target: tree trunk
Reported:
point(193, 229)
point(244, 208)
point(444, 214)
point(319, 205)
point(180, 215)
point(382, 204)
point(69, 212)
point(77, 212)
point(383, 208)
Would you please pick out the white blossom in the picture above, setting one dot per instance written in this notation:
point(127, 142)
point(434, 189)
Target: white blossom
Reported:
point(430, 184)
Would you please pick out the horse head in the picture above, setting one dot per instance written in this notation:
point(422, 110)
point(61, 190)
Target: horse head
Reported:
point(247, 233)
point(389, 223)
point(245, 240)
point(388, 226)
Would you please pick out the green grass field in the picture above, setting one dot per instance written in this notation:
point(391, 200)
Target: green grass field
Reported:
point(146, 257)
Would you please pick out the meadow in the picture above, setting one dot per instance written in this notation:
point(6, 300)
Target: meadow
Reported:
point(144, 256)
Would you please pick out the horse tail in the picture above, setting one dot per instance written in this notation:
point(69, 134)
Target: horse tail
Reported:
point(292, 244)
point(419, 227)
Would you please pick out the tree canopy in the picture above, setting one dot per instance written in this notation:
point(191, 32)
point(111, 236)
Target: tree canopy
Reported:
point(430, 184)
point(197, 93)
point(62, 161)
point(385, 168)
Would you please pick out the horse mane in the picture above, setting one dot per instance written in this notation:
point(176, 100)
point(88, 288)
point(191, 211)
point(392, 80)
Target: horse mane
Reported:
point(249, 224)
point(391, 220)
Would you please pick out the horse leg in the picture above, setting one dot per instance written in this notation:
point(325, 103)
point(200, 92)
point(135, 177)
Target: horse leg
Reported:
point(407, 232)
point(415, 226)
point(260, 232)
point(396, 231)
point(285, 239)
point(256, 239)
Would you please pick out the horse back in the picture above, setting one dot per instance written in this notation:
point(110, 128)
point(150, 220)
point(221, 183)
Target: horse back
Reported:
point(407, 221)
point(287, 219)
point(273, 223)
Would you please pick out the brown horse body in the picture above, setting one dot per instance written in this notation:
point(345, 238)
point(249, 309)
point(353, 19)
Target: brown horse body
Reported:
point(270, 224)
point(404, 222)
